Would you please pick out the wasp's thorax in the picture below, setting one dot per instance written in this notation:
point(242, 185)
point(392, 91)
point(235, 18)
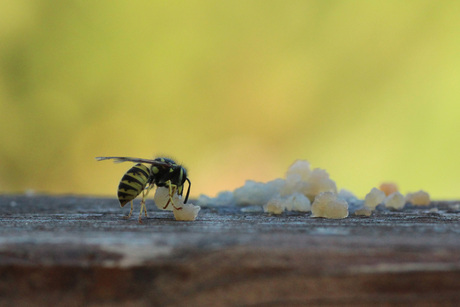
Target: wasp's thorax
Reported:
point(175, 174)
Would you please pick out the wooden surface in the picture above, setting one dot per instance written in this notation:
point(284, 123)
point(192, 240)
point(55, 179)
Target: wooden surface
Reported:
point(77, 251)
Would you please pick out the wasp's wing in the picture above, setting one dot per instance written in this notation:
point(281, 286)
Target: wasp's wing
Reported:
point(137, 160)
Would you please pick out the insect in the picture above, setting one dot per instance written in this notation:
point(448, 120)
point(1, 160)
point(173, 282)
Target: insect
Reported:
point(163, 172)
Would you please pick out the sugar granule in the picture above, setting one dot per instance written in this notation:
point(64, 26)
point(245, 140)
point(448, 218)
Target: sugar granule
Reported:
point(419, 198)
point(162, 196)
point(374, 198)
point(327, 205)
point(395, 201)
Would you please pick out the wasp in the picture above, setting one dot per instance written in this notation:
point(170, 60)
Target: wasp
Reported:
point(162, 172)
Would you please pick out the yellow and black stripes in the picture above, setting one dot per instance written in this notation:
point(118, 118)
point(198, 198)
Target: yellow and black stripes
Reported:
point(133, 183)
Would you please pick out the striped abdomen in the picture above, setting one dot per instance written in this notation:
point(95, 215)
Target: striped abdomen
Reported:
point(132, 183)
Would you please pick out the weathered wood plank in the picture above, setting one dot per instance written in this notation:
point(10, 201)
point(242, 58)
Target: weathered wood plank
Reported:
point(73, 251)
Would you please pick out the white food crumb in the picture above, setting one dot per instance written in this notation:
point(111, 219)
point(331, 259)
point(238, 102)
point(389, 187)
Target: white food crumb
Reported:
point(395, 201)
point(374, 198)
point(189, 212)
point(420, 198)
point(327, 205)
point(162, 196)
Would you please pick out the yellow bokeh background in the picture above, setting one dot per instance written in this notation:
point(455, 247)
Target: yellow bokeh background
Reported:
point(235, 90)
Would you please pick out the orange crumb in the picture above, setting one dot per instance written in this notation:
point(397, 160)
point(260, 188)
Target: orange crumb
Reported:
point(388, 188)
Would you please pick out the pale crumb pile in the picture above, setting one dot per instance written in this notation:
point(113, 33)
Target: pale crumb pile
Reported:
point(374, 198)
point(294, 193)
point(327, 205)
point(189, 212)
point(304, 190)
point(388, 188)
point(395, 201)
point(419, 198)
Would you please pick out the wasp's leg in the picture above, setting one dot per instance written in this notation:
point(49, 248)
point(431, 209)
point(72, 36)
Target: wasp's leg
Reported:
point(143, 198)
point(169, 199)
point(130, 211)
point(172, 190)
point(143, 206)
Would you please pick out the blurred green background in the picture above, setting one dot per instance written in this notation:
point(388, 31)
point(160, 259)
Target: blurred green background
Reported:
point(235, 90)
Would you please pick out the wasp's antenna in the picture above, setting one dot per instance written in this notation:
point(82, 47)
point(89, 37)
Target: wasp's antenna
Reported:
point(116, 159)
